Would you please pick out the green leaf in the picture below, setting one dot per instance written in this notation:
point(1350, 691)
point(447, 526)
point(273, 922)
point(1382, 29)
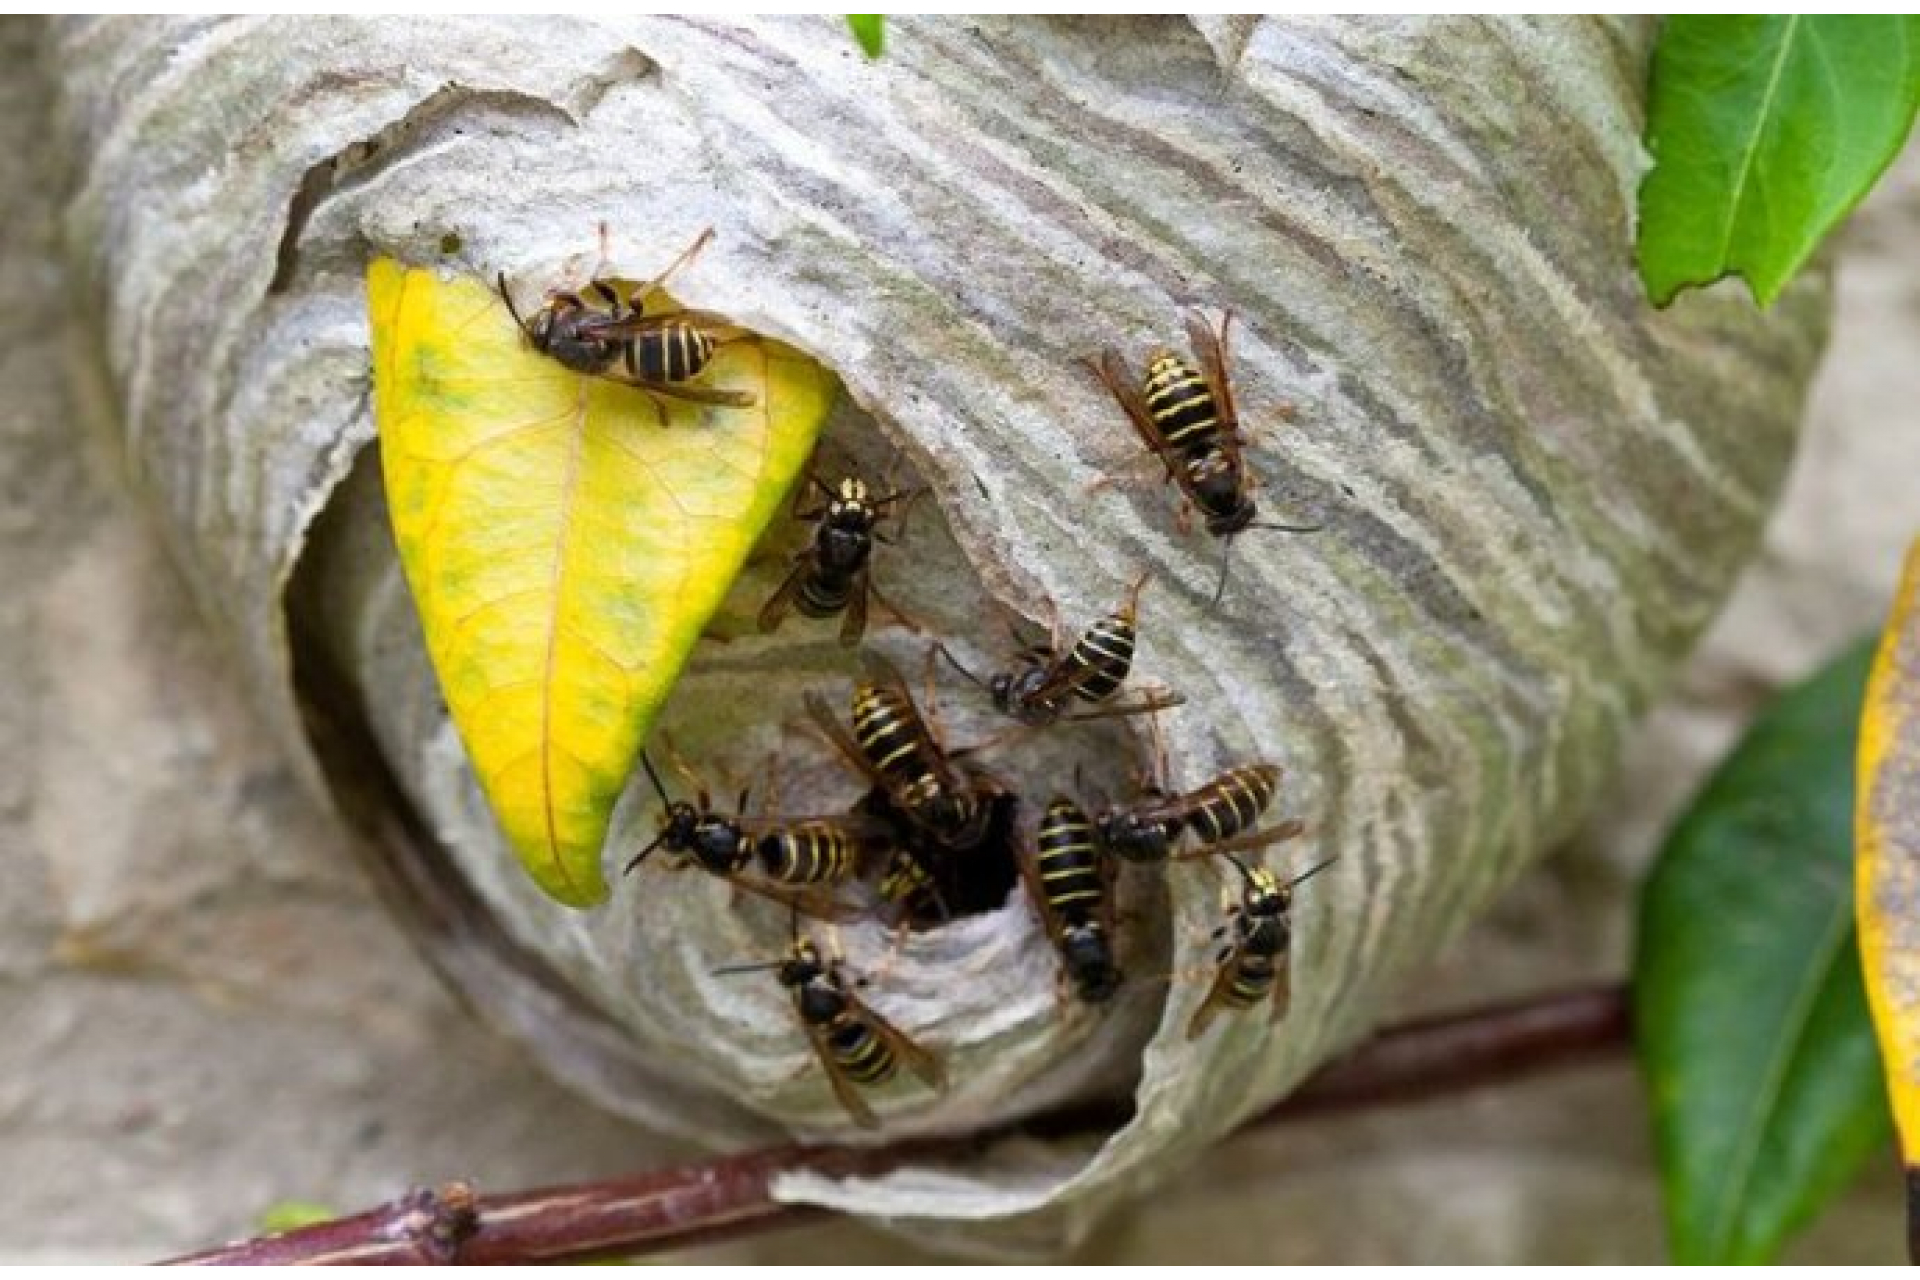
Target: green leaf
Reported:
point(291, 1215)
point(870, 29)
point(1765, 132)
point(1748, 1005)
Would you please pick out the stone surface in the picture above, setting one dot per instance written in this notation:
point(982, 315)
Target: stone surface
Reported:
point(208, 1013)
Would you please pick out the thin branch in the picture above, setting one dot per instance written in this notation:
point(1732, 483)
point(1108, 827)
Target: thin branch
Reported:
point(732, 1196)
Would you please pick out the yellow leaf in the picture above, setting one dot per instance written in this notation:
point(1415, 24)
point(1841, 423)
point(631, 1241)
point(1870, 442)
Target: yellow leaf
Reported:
point(1887, 862)
point(565, 549)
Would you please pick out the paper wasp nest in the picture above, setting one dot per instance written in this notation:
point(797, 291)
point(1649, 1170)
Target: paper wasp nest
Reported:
point(1535, 488)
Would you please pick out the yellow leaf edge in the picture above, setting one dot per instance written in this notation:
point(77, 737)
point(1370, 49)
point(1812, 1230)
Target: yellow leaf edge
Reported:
point(1887, 863)
point(557, 825)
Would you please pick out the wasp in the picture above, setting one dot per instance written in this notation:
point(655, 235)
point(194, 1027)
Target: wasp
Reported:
point(1037, 690)
point(1187, 419)
point(1218, 812)
point(1252, 966)
point(612, 337)
point(857, 1047)
point(893, 746)
point(795, 862)
point(1070, 883)
point(906, 881)
point(832, 574)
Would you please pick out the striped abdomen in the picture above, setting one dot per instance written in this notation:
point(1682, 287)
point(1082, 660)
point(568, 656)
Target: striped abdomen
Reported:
point(858, 1050)
point(1181, 404)
point(822, 593)
point(1264, 935)
point(893, 737)
point(809, 853)
point(1253, 977)
point(1101, 659)
point(674, 352)
point(1069, 862)
point(905, 880)
point(1232, 802)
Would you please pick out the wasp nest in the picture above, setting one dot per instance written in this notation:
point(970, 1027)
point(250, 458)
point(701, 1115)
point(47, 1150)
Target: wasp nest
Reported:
point(1534, 489)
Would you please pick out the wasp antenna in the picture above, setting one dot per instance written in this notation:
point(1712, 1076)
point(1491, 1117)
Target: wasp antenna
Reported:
point(957, 666)
point(762, 966)
point(1290, 528)
point(641, 856)
point(655, 778)
point(500, 281)
point(1310, 872)
point(1220, 588)
point(1246, 872)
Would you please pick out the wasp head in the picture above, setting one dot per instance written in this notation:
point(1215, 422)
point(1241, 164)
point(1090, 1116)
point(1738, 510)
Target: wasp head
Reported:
point(802, 965)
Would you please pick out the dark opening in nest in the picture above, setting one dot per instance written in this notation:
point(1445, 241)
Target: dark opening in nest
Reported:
point(964, 882)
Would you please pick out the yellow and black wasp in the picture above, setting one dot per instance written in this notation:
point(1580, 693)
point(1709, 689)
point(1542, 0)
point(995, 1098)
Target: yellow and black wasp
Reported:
point(1070, 884)
point(797, 862)
point(1219, 812)
point(1187, 419)
point(833, 573)
point(1252, 966)
point(1036, 692)
point(893, 746)
point(613, 337)
point(857, 1047)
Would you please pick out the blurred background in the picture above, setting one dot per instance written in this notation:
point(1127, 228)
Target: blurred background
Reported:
point(208, 1013)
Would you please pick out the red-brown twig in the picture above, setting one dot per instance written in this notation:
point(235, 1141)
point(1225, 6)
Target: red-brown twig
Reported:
point(731, 1196)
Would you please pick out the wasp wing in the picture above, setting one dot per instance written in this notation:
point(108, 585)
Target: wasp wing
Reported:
point(775, 610)
point(1217, 992)
point(844, 1089)
point(1113, 371)
point(920, 1061)
point(854, 625)
point(1027, 857)
point(810, 901)
point(1147, 703)
point(837, 734)
point(1246, 840)
point(1282, 986)
point(698, 395)
point(1210, 349)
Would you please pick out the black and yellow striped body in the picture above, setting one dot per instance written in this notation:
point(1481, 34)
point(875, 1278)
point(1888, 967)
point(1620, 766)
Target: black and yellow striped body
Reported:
point(860, 1054)
point(842, 545)
point(1261, 937)
point(675, 352)
point(1102, 657)
point(1069, 861)
point(822, 595)
point(854, 1048)
point(1187, 415)
point(1231, 803)
point(905, 881)
point(1181, 404)
point(810, 853)
point(1036, 691)
point(1069, 875)
point(902, 752)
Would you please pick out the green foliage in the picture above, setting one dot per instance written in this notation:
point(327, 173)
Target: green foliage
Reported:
point(1766, 131)
point(1748, 1005)
point(870, 29)
point(291, 1215)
